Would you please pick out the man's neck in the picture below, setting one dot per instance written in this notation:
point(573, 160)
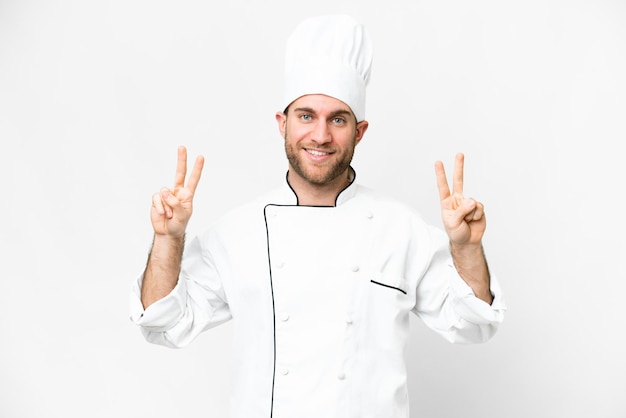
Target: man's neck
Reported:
point(310, 194)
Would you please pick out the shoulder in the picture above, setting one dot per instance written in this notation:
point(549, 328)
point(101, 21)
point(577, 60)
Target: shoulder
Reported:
point(383, 202)
point(393, 214)
point(244, 216)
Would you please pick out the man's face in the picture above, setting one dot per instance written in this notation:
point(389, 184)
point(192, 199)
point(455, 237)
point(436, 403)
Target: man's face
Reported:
point(320, 134)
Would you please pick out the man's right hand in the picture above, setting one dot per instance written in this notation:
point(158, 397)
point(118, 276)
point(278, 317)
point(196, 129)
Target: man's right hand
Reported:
point(172, 208)
point(170, 213)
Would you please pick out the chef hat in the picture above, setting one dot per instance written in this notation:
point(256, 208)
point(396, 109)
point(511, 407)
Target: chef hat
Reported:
point(330, 55)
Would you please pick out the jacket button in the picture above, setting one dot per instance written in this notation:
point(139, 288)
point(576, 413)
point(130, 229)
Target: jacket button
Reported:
point(284, 371)
point(355, 268)
point(284, 317)
point(349, 320)
point(341, 376)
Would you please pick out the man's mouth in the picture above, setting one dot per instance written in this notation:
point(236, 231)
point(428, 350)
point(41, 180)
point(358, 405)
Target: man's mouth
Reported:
point(317, 153)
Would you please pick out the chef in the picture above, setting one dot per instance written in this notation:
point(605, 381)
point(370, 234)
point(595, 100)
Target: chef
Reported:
point(319, 276)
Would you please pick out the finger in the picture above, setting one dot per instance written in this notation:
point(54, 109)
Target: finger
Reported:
point(472, 210)
point(194, 177)
point(157, 204)
point(468, 209)
point(170, 202)
point(457, 178)
point(479, 212)
point(181, 167)
point(442, 181)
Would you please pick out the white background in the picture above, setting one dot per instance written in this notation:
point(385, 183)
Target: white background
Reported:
point(95, 97)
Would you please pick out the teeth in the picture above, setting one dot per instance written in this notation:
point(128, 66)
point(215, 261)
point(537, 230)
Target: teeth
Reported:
point(316, 153)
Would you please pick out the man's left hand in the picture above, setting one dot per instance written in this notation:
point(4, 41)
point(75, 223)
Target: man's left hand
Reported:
point(463, 218)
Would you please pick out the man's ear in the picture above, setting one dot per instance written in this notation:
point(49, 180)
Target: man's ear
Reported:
point(361, 127)
point(281, 120)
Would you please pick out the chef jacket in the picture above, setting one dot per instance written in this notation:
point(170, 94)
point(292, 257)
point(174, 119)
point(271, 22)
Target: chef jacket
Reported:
point(320, 300)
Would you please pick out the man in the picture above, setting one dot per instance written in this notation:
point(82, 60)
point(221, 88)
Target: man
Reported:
point(321, 274)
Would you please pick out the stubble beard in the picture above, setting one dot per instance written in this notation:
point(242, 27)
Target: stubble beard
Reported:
point(323, 175)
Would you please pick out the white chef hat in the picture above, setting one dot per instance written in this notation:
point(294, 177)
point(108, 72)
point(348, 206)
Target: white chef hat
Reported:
point(330, 55)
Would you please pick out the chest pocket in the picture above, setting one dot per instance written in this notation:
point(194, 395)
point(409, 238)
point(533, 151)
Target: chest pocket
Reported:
point(390, 283)
point(381, 311)
point(383, 294)
point(386, 294)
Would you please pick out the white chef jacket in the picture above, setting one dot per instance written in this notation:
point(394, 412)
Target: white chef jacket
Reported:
point(320, 298)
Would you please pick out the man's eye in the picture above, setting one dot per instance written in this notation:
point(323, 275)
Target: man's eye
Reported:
point(339, 121)
point(305, 117)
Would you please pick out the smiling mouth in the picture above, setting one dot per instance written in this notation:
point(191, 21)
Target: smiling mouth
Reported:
point(317, 153)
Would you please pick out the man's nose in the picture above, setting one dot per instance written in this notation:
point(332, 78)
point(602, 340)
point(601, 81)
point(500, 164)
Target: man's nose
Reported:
point(321, 133)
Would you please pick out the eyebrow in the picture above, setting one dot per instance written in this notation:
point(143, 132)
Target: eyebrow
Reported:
point(334, 113)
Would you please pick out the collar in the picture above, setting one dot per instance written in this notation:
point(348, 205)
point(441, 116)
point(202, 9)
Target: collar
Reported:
point(289, 197)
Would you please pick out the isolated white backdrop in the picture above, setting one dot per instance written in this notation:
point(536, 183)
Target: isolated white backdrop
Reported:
point(95, 97)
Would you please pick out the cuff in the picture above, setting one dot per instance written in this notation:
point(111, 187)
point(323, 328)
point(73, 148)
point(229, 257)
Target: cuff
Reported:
point(163, 314)
point(473, 309)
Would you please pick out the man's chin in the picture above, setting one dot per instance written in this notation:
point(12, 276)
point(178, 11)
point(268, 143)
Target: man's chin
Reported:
point(318, 174)
point(322, 177)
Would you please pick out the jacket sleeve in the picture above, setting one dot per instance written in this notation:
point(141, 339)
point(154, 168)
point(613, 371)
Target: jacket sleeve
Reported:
point(446, 303)
point(197, 303)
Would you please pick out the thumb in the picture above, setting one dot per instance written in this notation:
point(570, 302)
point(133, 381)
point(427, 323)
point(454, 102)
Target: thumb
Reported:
point(171, 201)
point(467, 209)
